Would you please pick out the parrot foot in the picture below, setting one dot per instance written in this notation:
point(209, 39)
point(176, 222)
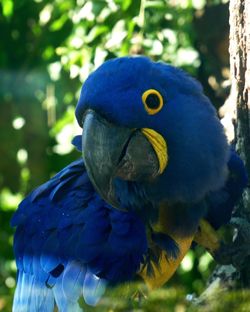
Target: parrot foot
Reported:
point(207, 237)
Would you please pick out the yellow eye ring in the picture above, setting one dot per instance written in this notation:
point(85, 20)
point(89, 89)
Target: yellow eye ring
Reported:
point(153, 101)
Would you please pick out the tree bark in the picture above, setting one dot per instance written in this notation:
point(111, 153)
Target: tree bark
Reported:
point(240, 74)
point(237, 274)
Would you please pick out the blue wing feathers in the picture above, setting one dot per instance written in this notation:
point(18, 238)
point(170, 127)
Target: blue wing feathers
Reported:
point(60, 188)
point(50, 261)
point(61, 300)
point(69, 240)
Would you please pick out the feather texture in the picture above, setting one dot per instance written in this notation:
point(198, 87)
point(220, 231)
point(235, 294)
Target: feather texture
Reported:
point(69, 242)
point(221, 203)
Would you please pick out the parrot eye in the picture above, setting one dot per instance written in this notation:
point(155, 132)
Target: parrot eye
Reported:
point(152, 101)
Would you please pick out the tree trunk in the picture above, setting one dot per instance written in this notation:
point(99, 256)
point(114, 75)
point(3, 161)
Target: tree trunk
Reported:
point(240, 73)
point(237, 274)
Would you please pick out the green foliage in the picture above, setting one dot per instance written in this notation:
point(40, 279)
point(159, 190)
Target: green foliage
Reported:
point(47, 49)
point(8, 203)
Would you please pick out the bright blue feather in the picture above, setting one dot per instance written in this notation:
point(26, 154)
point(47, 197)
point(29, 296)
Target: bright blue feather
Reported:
point(62, 302)
point(31, 295)
point(73, 280)
point(93, 288)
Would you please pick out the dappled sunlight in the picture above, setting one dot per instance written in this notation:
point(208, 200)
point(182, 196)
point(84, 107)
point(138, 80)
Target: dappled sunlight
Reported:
point(22, 156)
point(45, 14)
point(64, 138)
point(18, 123)
point(188, 262)
point(204, 262)
point(8, 200)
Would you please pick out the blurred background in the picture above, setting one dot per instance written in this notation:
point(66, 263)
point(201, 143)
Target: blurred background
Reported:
point(48, 48)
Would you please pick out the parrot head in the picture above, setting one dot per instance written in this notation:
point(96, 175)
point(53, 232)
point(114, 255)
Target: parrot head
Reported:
point(149, 134)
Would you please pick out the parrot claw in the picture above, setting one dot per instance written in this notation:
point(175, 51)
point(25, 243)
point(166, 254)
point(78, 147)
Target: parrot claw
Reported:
point(234, 253)
point(207, 237)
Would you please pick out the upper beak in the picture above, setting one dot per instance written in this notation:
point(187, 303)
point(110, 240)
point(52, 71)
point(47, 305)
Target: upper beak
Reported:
point(110, 151)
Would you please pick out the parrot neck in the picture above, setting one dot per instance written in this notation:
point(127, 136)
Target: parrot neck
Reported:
point(182, 218)
point(133, 197)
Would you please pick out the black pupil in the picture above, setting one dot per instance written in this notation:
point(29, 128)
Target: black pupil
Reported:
point(153, 101)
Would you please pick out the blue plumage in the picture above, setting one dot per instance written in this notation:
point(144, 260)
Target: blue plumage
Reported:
point(93, 288)
point(74, 239)
point(197, 146)
point(72, 280)
point(221, 203)
point(98, 221)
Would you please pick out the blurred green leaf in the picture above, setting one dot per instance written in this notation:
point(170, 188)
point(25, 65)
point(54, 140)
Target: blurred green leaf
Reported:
point(155, 4)
point(57, 24)
point(95, 32)
point(67, 118)
point(7, 7)
point(125, 4)
point(8, 200)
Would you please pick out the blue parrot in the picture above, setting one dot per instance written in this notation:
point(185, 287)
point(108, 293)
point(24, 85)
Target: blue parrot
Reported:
point(156, 174)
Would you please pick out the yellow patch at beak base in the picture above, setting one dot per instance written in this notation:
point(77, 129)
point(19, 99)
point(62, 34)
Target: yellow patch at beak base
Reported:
point(159, 145)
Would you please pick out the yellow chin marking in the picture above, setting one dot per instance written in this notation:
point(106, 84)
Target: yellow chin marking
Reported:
point(159, 145)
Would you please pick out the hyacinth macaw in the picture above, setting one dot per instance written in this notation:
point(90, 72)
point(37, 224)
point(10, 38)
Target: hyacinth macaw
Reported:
point(156, 173)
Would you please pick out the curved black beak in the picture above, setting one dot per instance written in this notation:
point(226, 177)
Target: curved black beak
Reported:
point(110, 151)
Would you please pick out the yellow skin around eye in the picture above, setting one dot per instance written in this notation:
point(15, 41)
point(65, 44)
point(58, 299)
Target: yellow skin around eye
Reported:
point(149, 110)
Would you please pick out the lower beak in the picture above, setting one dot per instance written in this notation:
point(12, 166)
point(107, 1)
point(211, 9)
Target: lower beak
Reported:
point(110, 152)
